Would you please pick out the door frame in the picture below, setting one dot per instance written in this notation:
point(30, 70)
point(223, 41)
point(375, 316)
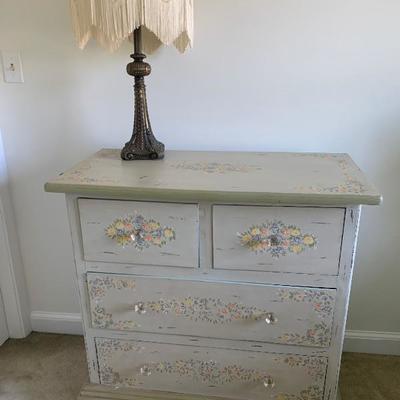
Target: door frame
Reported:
point(12, 277)
point(4, 335)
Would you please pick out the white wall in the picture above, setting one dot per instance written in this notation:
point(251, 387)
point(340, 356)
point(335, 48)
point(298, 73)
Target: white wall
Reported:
point(293, 75)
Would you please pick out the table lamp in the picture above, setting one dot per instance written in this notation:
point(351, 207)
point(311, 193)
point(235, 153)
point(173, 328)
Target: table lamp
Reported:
point(150, 23)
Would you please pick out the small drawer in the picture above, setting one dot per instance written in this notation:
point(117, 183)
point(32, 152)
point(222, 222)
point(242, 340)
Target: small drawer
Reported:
point(271, 314)
point(300, 240)
point(143, 233)
point(233, 374)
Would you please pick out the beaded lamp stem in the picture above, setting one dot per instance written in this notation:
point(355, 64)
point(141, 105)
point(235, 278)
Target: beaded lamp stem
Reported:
point(143, 144)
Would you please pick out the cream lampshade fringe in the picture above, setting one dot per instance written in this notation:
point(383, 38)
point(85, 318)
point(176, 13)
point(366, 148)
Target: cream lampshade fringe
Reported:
point(111, 22)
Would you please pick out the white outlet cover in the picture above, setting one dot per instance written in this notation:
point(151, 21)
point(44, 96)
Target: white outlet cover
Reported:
point(12, 67)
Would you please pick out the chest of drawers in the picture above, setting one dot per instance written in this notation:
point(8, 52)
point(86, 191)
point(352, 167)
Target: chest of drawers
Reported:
point(214, 275)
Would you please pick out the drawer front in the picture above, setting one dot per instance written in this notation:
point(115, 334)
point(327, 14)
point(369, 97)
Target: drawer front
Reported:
point(234, 374)
point(142, 233)
point(273, 314)
point(278, 239)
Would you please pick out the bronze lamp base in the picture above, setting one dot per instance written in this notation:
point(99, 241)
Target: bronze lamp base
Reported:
point(143, 144)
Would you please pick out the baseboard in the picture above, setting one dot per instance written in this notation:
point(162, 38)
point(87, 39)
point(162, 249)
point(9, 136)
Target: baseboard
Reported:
point(70, 324)
point(372, 342)
point(355, 341)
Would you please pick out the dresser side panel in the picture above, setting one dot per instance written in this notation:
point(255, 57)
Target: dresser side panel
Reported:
point(349, 244)
point(74, 223)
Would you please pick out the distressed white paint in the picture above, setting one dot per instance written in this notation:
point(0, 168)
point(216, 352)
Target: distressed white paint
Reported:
point(325, 225)
point(98, 215)
point(116, 300)
point(331, 179)
point(346, 268)
point(209, 309)
point(138, 361)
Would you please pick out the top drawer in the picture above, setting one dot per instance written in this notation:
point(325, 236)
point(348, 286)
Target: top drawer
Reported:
point(278, 239)
point(143, 233)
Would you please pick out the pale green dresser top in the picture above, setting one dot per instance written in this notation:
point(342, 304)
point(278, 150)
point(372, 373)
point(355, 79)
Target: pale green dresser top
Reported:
point(284, 178)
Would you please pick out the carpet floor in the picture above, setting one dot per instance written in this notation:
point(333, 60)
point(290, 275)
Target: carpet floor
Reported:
point(53, 367)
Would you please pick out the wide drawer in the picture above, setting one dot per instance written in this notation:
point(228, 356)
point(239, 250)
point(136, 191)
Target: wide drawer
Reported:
point(234, 374)
point(278, 239)
point(275, 314)
point(144, 233)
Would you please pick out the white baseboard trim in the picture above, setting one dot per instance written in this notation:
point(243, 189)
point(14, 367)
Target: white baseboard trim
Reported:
point(372, 342)
point(355, 341)
point(70, 324)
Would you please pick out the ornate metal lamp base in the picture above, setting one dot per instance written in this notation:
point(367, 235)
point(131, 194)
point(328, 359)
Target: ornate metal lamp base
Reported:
point(143, 144)
point(152, 150)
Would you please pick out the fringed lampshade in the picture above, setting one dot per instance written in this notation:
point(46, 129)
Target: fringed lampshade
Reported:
point(152, 23)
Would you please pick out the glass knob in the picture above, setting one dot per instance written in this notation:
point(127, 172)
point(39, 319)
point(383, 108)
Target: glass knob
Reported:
point(145, 370)
point(271, 319)
point(136, 235)
point(274, 240)
point(139, 308)
point(269, 383)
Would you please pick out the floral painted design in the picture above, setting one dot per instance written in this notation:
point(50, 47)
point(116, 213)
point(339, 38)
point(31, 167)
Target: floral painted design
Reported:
point(208, 372)
point(315, 366)
point(311, 393)
point(350, 183)
point(277, 239)
point(208, 309)
point(112, 378)
point(105, 349)
point(212, 310)
point(81, 175)
point(101, 319)
point(216, 167)
point(322, 301)
point(100, 284)
point(98, 287)
point(319, 335)
point(141, 233)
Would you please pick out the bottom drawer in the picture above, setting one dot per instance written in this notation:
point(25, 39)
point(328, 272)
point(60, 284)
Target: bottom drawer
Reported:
point(234, 374)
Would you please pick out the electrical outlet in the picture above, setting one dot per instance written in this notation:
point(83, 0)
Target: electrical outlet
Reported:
point(12, 67)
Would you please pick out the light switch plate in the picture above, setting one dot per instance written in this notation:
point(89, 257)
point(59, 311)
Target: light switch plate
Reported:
point(12, 67)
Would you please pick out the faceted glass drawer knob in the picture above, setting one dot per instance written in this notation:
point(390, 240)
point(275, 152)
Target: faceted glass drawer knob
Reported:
point(271, 319)
point(139, 308)
point(136, 235)
point(145, 370)
point(269, 383)
point(274, 240)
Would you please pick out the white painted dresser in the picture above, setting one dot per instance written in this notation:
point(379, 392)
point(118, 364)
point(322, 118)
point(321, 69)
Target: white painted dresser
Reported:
point(223, 275)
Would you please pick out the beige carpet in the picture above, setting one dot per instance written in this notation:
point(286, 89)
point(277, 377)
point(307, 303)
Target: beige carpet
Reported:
point(53, 367)
point(370, 377)
point(42, 367)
